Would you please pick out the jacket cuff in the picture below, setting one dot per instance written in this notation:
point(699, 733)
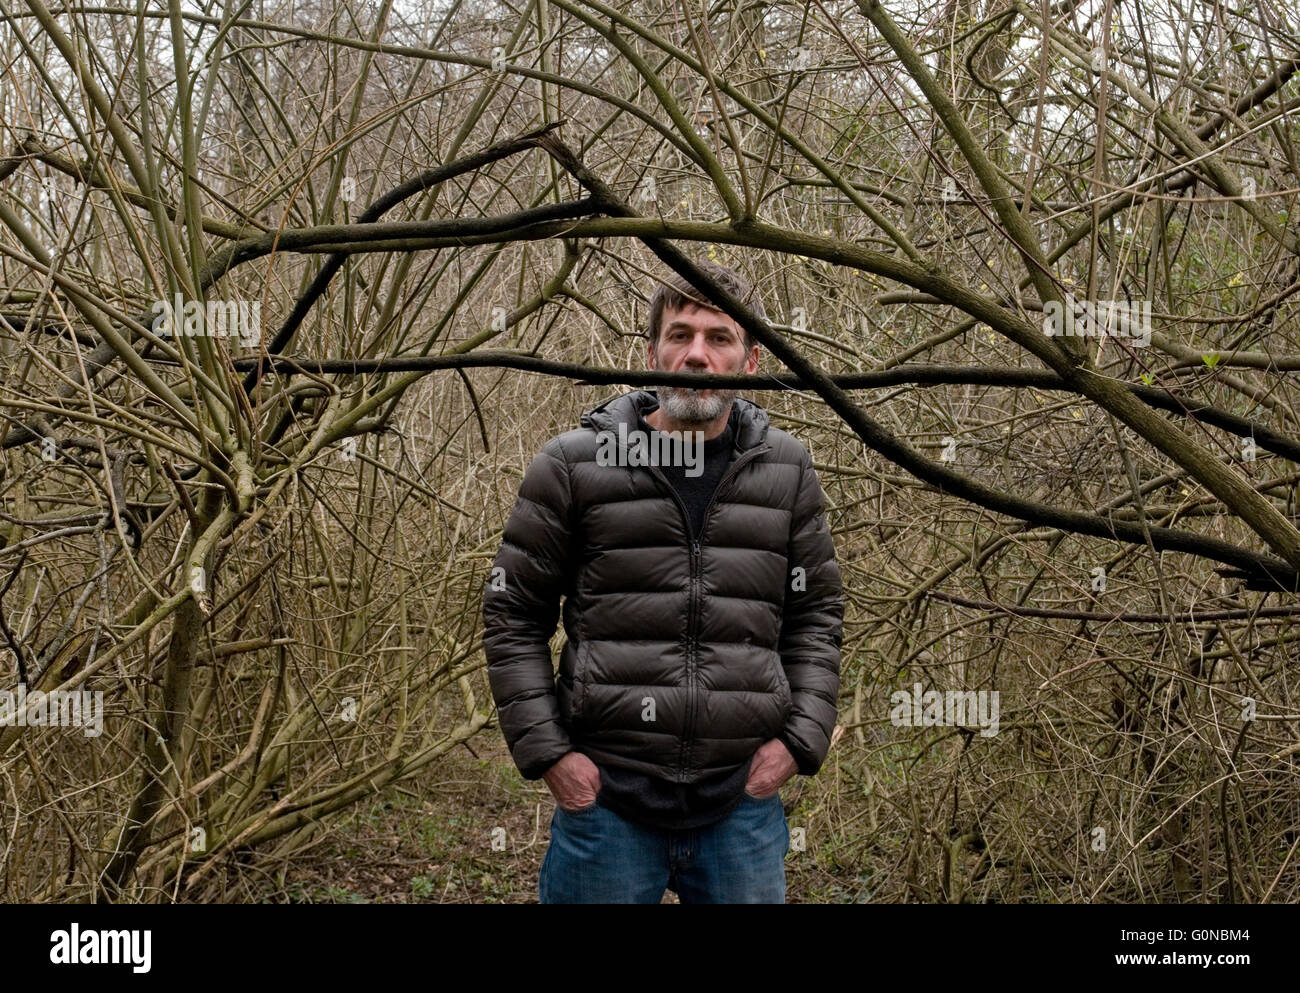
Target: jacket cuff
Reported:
point(807, 763)
point(532, 759)
point(535, 770)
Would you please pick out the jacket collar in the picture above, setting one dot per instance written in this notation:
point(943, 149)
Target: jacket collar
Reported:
point(751, 419)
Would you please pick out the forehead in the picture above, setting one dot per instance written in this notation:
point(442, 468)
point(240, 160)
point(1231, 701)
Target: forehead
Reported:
point(695, 316)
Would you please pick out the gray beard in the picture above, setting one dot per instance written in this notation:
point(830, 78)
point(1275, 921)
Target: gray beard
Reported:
point(688, 407)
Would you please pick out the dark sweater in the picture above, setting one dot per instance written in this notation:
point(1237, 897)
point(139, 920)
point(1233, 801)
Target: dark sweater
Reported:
point(658, 802)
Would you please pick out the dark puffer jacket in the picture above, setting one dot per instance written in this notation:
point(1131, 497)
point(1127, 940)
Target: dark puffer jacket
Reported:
point(726, 642)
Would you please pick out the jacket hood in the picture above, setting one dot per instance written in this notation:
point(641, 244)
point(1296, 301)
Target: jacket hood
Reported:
point(751, 419)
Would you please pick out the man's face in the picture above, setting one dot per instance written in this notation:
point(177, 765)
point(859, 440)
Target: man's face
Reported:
point(697, 339)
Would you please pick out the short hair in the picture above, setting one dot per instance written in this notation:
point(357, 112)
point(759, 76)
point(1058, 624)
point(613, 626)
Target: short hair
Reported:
point(676, 292)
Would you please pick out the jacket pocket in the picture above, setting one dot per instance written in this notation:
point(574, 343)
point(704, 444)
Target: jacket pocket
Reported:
point(580, 666)
point(783, 687)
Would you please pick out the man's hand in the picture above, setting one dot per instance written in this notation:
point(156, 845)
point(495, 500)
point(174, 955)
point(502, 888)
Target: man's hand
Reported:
point(574, 781)
point(773, 765)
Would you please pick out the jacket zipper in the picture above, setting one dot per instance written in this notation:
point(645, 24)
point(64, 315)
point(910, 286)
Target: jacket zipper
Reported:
point(693, 596)
point(690, 598)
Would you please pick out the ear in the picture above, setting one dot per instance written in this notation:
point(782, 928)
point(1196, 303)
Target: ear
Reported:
point(751, 361)
point(650, 355)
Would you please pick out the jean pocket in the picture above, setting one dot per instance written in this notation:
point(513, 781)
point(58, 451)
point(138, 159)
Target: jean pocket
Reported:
point(582, 810)
point(758, 799)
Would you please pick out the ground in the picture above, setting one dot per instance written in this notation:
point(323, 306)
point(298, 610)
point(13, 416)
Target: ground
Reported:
point(476, 832)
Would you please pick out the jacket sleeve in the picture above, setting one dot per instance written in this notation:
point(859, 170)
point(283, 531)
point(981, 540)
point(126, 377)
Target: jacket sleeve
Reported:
point(520, 607)
point(811, 627)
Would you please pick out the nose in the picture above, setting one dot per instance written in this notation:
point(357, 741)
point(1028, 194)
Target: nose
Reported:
point(697, 356)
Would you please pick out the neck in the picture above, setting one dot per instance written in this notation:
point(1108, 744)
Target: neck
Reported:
point(660, 421)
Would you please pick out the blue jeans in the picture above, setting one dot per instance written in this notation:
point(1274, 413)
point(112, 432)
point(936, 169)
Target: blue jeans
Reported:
point(596, 856)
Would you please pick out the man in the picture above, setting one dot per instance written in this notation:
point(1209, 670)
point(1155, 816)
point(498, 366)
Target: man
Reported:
point(702, 610)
